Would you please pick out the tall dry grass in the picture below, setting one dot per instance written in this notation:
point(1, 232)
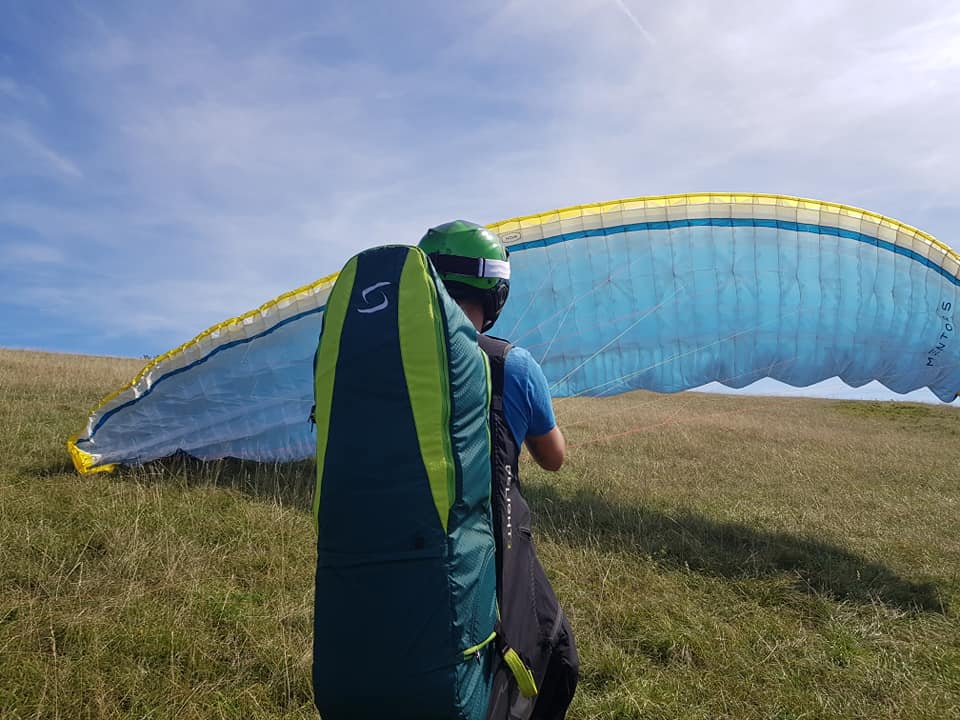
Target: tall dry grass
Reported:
point(720, 557)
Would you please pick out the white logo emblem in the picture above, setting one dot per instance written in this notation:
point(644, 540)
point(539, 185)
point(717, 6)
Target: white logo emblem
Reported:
point(374, 308)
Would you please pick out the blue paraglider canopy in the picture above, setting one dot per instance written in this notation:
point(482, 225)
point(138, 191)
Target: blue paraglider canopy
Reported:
point(662, 293)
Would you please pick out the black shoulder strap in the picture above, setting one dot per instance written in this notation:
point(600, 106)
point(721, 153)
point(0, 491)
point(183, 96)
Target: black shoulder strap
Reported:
point(530, 616)
point(504, 455)
point(496, 349)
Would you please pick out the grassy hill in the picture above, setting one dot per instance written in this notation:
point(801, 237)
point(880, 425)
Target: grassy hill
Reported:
point(720, 557)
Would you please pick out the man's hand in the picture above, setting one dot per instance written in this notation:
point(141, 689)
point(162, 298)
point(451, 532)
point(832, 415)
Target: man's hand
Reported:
point(548, 450)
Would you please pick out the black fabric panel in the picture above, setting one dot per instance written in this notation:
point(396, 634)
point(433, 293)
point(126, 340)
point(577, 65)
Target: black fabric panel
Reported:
point(531, 620)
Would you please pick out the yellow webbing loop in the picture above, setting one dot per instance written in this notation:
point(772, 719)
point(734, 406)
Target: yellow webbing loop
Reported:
point(480, 646)
point(522, 674)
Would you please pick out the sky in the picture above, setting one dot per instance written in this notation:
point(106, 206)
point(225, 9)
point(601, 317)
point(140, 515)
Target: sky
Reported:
point(165, 166)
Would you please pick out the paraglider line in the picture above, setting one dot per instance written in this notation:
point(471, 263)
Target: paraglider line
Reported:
point(556, 332)
point(661, 397)
point(630, 327)
point(562, 310)
point(610, 320)
point(675, 418)
point(670, 421)
point(657, 364)
point(533, 296)
point(623, 270)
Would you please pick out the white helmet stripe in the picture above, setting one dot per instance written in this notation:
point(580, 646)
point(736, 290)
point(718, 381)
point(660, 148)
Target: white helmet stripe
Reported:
point(494, 269)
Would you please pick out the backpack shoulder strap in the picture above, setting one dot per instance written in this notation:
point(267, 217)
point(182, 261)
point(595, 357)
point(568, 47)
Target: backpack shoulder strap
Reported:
point(496, 349)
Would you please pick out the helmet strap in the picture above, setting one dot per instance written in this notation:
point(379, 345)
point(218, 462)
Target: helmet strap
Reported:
point(493, 302)
point(470, 266)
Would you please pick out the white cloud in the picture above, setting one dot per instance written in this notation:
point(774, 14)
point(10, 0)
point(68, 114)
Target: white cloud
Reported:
point(625, 9)
point(227, 167)
point(31, 150)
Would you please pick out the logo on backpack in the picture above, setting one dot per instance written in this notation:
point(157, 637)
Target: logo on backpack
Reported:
point(385, 302)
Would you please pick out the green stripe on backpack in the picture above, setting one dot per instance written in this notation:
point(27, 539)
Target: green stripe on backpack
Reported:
point(423, 349)
point(405, 601)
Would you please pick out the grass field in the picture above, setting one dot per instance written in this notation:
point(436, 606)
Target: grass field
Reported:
point(719, 556)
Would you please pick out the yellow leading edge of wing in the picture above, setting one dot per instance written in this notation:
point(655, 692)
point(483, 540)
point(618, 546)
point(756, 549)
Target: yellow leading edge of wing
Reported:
point(83, 461)
point(731, 198)
point(845, 215)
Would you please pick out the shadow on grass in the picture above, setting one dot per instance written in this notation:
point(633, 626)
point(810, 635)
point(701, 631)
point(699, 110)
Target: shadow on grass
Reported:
point(61, 466)
point(682, 539)
point(725, 549)
point(290, 483)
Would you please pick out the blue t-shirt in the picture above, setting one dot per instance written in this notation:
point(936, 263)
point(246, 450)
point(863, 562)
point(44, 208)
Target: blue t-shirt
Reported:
point(526, 397)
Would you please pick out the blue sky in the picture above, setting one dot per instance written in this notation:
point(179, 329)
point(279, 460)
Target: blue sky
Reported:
point(164, 166)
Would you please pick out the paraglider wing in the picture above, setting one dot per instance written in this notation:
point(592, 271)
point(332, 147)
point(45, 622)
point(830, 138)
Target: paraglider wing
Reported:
point(241, 389)
point(671, 293)
point(663, 293)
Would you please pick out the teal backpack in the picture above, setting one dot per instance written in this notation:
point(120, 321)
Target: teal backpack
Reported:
point(405, 600)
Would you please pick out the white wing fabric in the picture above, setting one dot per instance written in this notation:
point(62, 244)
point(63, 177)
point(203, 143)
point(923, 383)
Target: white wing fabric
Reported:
point(663, 293)
point(241, 389)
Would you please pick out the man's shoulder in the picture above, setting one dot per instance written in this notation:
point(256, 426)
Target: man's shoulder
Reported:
point(520, 354)
point(526, 385)
point(516, 355)
point(519, 365)
point(520, 362)
point(493, 346)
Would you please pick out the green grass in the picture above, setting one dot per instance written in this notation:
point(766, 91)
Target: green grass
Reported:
point(719, 556)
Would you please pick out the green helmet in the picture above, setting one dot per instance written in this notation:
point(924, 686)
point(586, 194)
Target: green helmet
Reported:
point(473, 264)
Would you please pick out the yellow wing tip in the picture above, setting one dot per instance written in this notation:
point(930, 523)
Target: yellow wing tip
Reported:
point(84, 462)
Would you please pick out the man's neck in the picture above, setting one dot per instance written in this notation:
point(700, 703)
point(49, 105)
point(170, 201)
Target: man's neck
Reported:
point(474, 314)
